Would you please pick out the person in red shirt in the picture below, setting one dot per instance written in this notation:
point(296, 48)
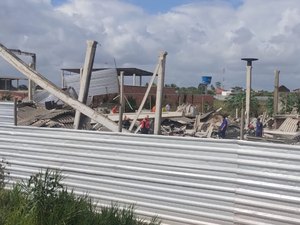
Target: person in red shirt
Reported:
point(114, 109)
point(145, 125)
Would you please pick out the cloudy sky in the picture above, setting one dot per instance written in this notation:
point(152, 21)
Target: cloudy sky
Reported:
point(202, 37)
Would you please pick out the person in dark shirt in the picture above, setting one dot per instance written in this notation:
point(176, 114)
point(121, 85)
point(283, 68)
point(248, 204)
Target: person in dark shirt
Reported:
point(126, 122)
point(223, 128)
point(259, 128)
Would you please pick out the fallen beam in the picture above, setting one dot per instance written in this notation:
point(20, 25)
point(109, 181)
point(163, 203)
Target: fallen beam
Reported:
point(51, 88)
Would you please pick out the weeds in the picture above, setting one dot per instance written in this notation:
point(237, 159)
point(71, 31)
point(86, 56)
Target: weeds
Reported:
point(1, 176)
point(43, 200)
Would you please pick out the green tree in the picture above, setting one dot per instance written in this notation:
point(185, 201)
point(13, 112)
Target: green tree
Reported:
point(270, 106)
point(237, 89)
point(218, 84)
point(201, 88)
point(238, 101)
point(289, 101)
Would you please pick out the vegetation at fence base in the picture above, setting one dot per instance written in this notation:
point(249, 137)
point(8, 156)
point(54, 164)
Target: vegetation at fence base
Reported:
point(43, 200)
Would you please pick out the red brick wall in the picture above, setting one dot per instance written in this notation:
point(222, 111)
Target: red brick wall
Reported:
point(19, 95)
point(169, 96)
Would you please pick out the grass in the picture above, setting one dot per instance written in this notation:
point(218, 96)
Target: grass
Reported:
point(43, 200)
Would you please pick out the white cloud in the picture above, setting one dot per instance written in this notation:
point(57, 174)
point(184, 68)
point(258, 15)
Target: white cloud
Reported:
point(201, 38)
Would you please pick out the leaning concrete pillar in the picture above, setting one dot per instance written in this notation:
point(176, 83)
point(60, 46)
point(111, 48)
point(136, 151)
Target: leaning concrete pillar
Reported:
point(30, 82)
point(85, 80)
point(159, 93)
point(122, 103)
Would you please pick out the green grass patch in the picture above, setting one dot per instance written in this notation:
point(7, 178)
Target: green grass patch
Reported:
point(43, 200)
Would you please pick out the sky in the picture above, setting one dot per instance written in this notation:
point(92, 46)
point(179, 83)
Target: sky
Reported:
point(202, 37)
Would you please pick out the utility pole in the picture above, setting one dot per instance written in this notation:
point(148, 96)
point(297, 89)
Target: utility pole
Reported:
point(248, 86)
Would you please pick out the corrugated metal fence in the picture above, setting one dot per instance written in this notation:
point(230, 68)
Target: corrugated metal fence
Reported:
point(7, 112)
point(182, 180)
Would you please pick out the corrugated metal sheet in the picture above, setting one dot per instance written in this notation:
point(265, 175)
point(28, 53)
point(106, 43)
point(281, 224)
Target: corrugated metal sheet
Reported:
point(182, 180)
point(102, 82)
point(289, 125)
point(7, 112)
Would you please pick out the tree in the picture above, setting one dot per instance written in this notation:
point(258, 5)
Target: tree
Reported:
point(238, 101)
point(201, 88)
point(289, 101)
point(237, 89)
point(218, 84)
point(171, 85)
point(270, 106)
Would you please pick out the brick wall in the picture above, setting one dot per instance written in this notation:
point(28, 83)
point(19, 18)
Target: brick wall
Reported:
point(19, 95)
point(169, 96)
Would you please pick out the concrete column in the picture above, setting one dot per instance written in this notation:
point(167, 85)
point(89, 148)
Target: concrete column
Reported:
point(248, 93)
point(133, 80)
point(242, 123)
point(122, 102)
point(85, 80)
point(30, 82)
point(276, 85)
point(15, 112)
point(62, 79)
point(159, 93)
point(248, 86)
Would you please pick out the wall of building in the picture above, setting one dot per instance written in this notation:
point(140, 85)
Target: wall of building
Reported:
point(11, 95)
point(169, 97)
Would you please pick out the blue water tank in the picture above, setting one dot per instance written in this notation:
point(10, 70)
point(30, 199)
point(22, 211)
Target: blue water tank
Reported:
point(206, 80)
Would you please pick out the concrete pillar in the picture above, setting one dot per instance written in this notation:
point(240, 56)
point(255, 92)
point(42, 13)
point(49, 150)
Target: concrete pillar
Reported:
point(242, 123)
point(85, 80)
point(15, 112)
point(276, 85)
point(62, 79)
point(159, 93)
point(248, 93)
point(133, 80)
point(122, 102)
point(30, 82)
point(248, 86)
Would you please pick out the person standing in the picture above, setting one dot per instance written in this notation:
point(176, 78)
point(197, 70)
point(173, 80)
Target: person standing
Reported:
point(259, 128)
point(168, 107)
point(126, 123)
point(223, 128)
point(145, 125)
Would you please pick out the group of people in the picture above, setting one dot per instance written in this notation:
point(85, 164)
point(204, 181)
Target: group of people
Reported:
point(224, 125)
